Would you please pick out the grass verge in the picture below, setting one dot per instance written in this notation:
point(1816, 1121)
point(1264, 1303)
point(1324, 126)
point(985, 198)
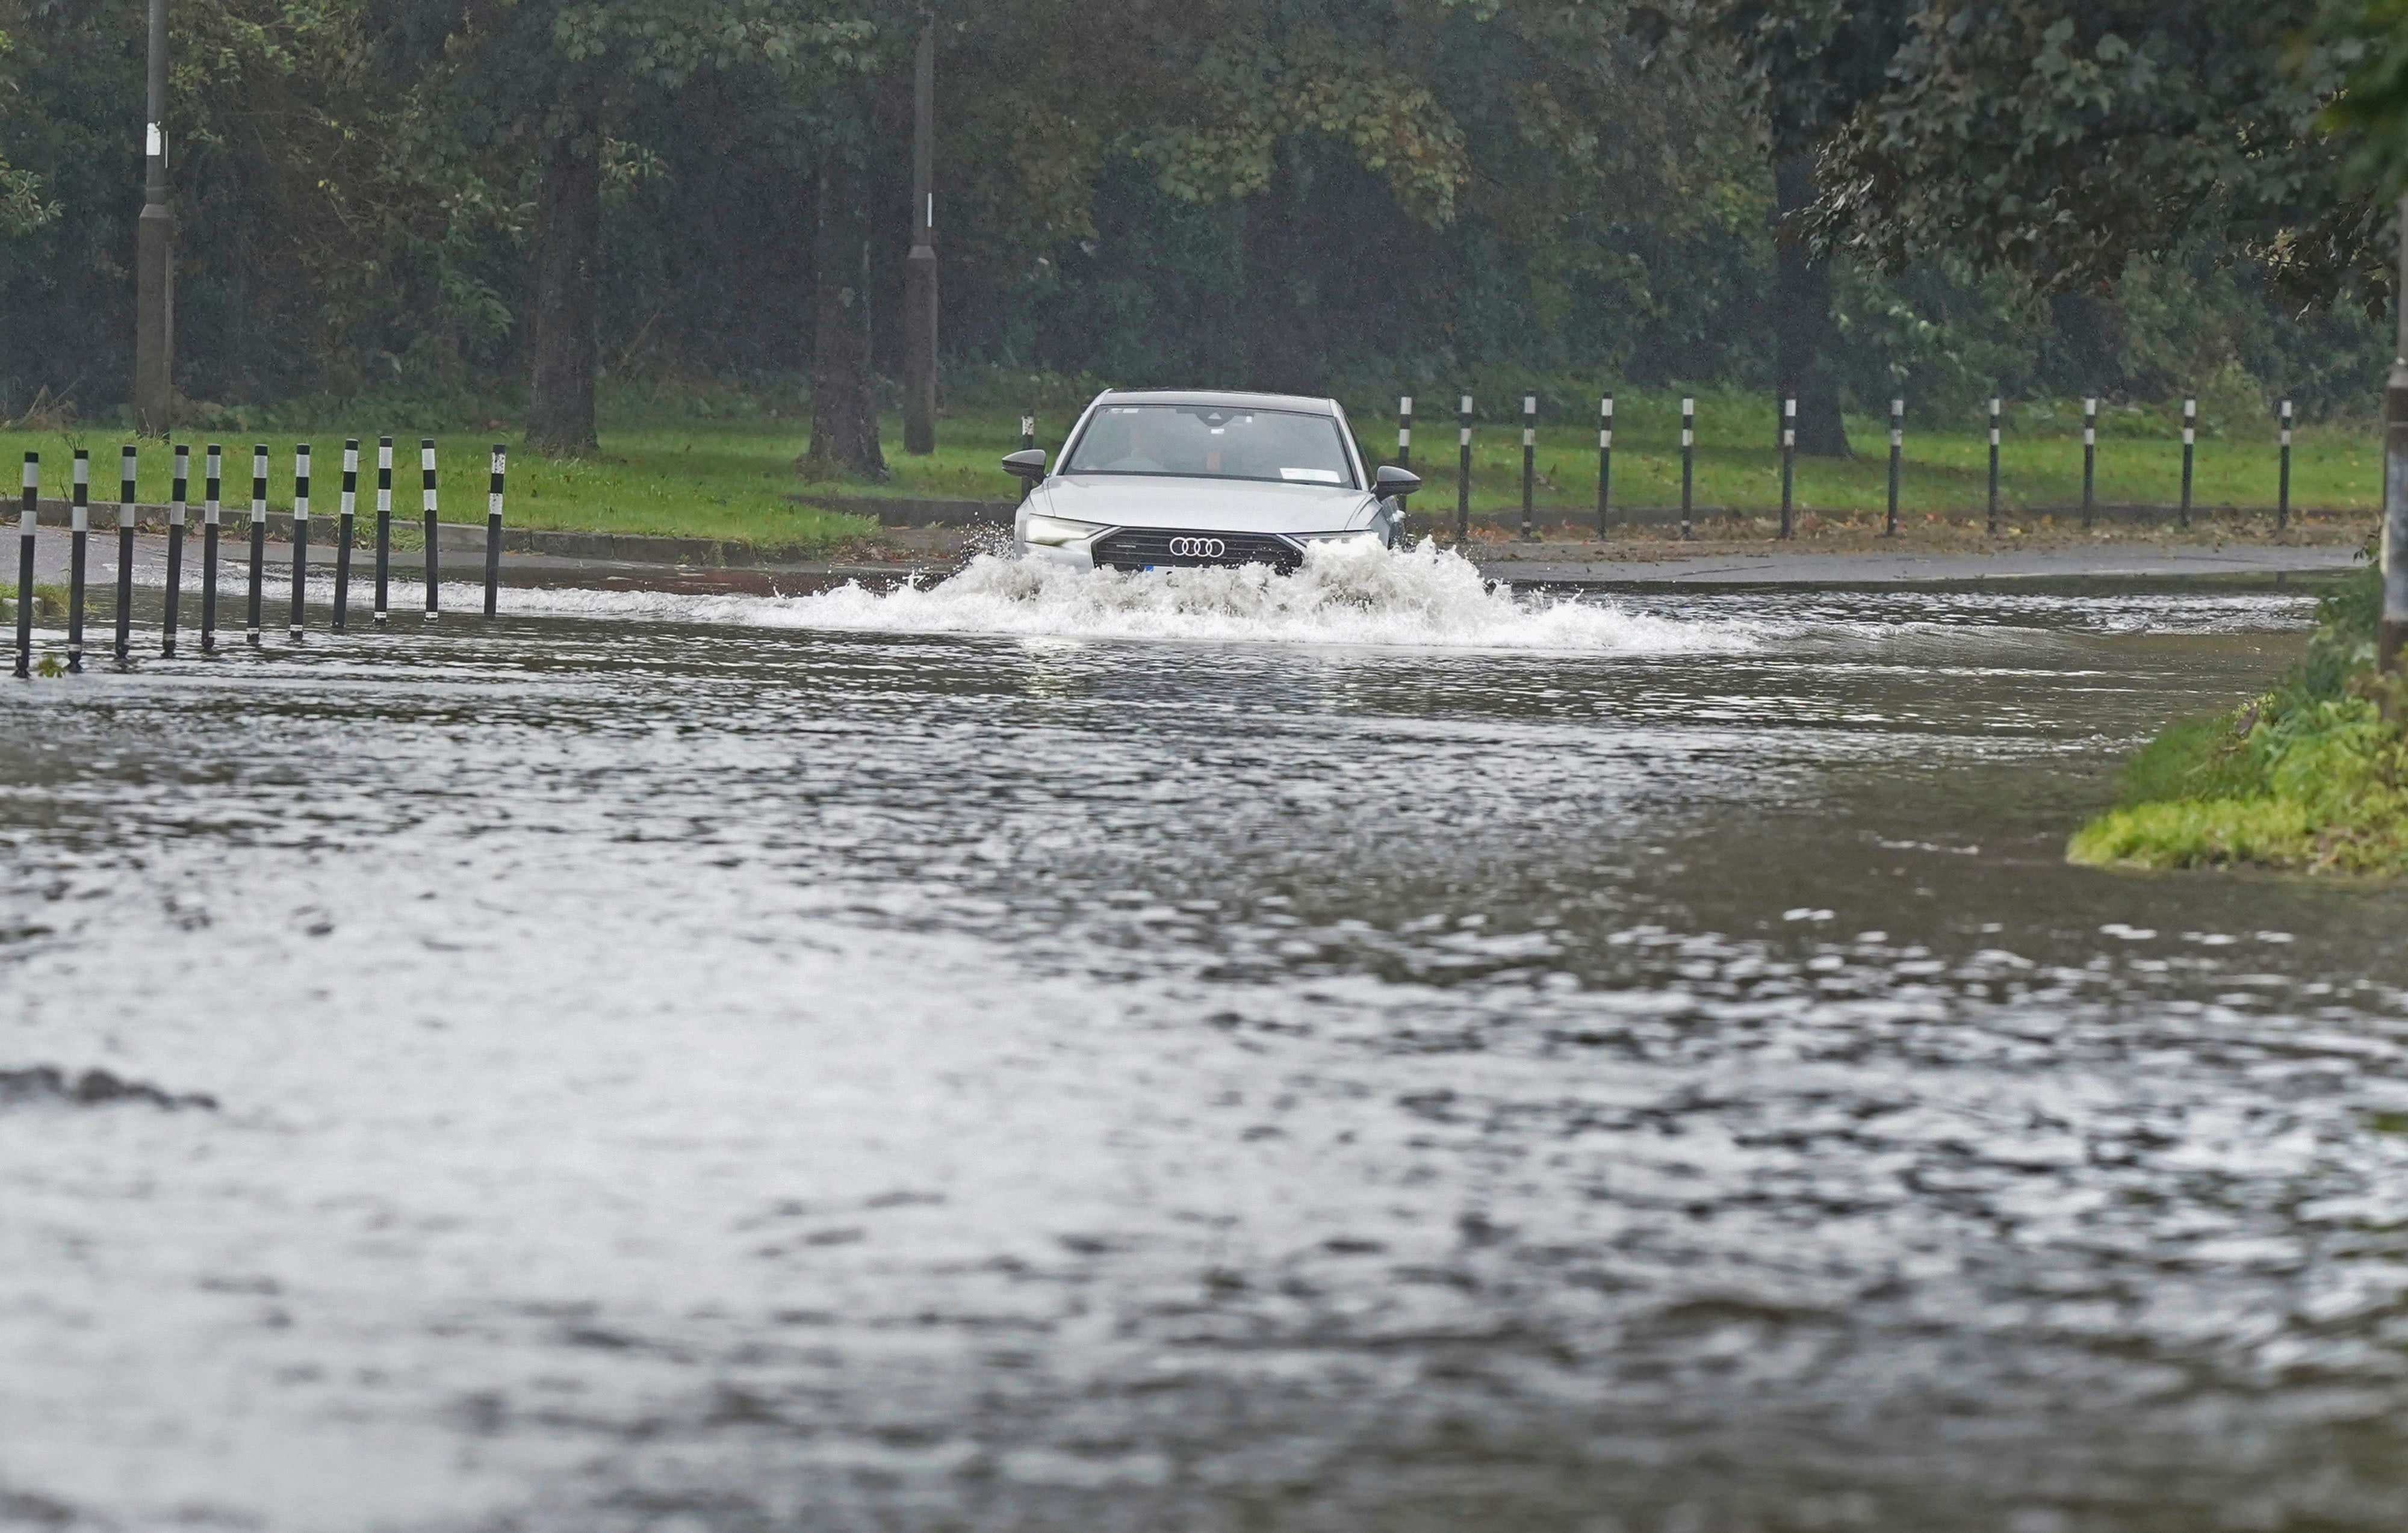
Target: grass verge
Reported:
point(709, 479)
point(2311, 777)
point(736, 480)
point(49, 601)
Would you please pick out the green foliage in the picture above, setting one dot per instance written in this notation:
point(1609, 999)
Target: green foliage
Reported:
point(1496, 192)
point(2312, 776)
point(2069, 143)
point(2368, 40)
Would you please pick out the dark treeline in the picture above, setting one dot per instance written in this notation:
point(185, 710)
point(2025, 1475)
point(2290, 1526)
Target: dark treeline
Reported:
point(482, 204)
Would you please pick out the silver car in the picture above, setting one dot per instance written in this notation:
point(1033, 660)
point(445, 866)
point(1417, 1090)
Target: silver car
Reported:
point(1162, 480)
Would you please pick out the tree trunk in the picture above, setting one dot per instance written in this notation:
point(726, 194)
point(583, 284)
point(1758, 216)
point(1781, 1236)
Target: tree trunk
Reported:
point(1804, 336)
point(844, 402)
point(1285, 351)
point(567, 265)
point(2090, 334)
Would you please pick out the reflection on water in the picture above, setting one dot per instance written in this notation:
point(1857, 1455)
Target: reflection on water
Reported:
point(729, 1069)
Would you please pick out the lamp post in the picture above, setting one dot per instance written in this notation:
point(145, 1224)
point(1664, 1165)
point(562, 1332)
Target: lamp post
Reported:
point(919, 268)
point(154, 283)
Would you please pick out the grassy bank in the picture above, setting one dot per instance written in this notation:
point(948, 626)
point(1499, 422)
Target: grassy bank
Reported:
point(735, 479)
point(2334, 469)
point(708, 479)
point(49, 601)
point(2308, 776)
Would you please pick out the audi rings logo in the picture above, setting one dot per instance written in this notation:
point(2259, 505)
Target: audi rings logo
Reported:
point(1197, 548)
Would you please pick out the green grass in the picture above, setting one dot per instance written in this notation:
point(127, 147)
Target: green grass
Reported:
point(706, 481)
point(2311, 775)
point(49, 601)
point(735, 479)
point(1945, 472)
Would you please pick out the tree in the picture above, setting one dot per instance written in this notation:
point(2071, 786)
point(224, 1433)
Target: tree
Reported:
point(1808, 65)
point(2367, 40)
point(556, 84)
point(21, 207)
point(2066, 143)
point(844, 397)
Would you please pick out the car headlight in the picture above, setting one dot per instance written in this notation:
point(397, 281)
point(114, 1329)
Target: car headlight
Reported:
point(1366, 537)
point(1054, 531)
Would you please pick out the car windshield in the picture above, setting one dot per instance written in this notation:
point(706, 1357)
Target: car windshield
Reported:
point(1213, 442)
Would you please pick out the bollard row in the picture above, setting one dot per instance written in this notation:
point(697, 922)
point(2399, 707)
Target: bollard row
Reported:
point(1786, 438)
point(212, 527)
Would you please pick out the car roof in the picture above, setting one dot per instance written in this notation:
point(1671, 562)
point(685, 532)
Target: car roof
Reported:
point(1228, 398)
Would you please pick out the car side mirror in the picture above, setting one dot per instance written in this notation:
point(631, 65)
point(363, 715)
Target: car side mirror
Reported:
point(1028, 463)
point(1391, 481)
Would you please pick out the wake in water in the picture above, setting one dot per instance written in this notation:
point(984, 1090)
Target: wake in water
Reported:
point(1427, 598)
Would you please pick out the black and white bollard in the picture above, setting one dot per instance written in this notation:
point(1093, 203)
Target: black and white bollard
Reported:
point(1028, 440)
point(345, 520)
point(1604, 464)
point(1404, 439)
point(82, 533)
point(1789, 458)
point(1897, 451)
point(258, 538)
point(1530, 459)
point(25, 539)
point(1994, 468)
point(1688, 464)
point(298, 616)
point(127, 463)
point(2089, 461)
point(211, 485)
point(384, 524)
point(1463, 473)
point(494, 530)
point(2190, 434)
point(2283, 483)
point(175, 493)
point(426, 471)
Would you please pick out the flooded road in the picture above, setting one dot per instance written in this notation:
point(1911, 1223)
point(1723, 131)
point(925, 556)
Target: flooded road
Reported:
point(1365, 1057)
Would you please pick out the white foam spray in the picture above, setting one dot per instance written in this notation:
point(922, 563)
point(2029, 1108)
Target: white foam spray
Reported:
point(1424, 597)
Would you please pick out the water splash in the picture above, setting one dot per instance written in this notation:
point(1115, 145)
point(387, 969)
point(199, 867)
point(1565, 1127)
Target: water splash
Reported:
point(1423, 597)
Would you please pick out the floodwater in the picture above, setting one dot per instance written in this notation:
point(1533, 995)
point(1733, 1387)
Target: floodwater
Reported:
point(1189, 1056)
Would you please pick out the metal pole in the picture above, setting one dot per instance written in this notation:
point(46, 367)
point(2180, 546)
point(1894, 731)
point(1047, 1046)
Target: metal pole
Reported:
point(1896, 449)
point(25, 539)
point(383, 525)
point(345, 514)
point(211, 487)
point(154, 281)
point(919, 267)
point(1789, 457)
point(501, 463)
point(126, 493)
point(1028, 440)
point(80, 527)
point(1994, 468)
point(2393, 629)
point(1529, 458)
point(1604, 463)
point(1463, 474)
point(1404, 439)
point(1688, 464)
point(258, 540)
point(433, 532)
point(2283, 485)
point(2190, 432)
point(175, 493)
point(2089, 461)
point(297, 619)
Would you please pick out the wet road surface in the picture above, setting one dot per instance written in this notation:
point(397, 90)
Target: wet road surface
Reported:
point(1232, 1062)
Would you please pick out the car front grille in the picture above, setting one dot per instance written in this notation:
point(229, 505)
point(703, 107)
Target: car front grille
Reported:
point(1151, 548)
